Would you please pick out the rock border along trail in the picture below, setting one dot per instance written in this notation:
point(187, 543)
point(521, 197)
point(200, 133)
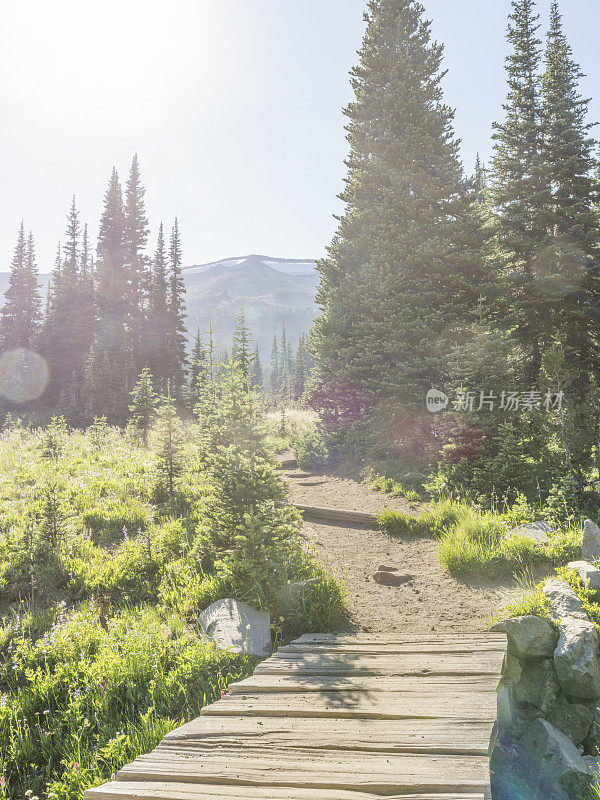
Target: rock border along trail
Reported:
point(402, 707)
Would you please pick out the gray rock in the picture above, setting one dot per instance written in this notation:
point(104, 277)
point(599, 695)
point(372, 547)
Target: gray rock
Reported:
point(238, 627)
point(292, 595)
point(391, 579)
point(588, 573)
point(572, 719)
point(591, 541)
point(529, 690)
point(552, 765)
point(576, 659)
point(563, 600)
point(538, 531)
point(592, 743)
point(529, 636)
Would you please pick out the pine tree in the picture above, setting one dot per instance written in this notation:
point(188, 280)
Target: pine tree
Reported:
point(520, 189)
point(199, 371)
point(257, 371)
point(135, 239)
point(405, 264)
point(176, 310)
point(142, 410)
point(241, 345)
point(159, 322)
point(567, 269)
point(111, 353)
point(300, 372)
point(20, 315)
point(168, 443)
point(67, 329)
point(274, 370)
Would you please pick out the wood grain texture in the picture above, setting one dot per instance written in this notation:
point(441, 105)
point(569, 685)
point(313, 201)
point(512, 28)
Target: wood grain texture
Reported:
point(337, 718)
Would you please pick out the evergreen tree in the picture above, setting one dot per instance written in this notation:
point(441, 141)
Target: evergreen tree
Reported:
point(241, 345)
point(176, 310)
point(168, 443)
point(274, 370)
point(405, 265)
point(20, 315)
point(111, 353)
point(257, 371)
point(159, 316)
point(300, 372)
point(142, 410)
point(199, 371)
point(135, 239)
point(520, 188)
point(67, 329)
point(567, 269)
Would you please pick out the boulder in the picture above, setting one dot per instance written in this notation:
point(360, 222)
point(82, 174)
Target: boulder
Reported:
point(576, 659)
point(572, 719)
point(537, 531)
point(588, 573)
point(552, 765)
point(529, 689)
point(563, 600)
point(590, 549)
point(238, 627)
point(592, 743)
point(529, 636)
point(391, 579)
point(292, 595)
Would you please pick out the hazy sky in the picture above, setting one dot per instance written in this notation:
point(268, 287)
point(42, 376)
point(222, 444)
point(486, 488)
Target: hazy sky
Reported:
point(234, 107)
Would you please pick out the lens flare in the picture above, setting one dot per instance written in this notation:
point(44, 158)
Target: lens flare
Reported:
point(23, 375)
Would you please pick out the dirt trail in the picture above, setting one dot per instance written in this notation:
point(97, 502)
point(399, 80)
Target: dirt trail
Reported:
point(433, 600)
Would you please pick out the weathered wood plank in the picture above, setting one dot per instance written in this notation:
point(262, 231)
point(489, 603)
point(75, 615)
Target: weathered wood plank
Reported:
point(156, 790)
point(385, 705)
point(355, 771)
point(269, 684)
point(416, 648)
point(344, 516)
point(340, 639)
point(329, 663)
point(413, 735)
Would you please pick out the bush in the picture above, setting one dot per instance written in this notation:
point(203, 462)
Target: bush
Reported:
point(398, 523)
point(311, 449)
point(114, 518)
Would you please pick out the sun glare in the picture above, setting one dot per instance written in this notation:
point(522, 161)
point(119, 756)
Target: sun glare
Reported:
point(102, 65)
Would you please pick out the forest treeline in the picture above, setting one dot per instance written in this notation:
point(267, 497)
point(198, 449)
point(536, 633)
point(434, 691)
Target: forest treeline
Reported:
point(111, 315)
point(489, 285)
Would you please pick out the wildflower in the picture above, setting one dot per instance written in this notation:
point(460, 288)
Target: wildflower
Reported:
point(2, 781)
point(29, 792)
point(76, 766)
point(77, 694)
point(222, 694)
point(103, 683)
point(3, 700)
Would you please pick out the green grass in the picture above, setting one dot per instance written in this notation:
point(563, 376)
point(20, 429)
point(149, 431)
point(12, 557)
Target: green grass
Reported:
point(102, 578)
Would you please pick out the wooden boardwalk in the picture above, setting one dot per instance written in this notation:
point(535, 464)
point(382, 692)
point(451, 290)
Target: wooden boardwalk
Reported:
point(337, 718)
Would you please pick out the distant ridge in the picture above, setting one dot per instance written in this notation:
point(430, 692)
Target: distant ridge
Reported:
point(270, 290)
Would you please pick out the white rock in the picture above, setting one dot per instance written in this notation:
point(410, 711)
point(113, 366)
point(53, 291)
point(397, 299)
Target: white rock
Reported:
point(538, 531)
point(591, 541)
point(528, 636)
point(237, 627)
point(587, 572)
point(563, 600)
point(576, 659)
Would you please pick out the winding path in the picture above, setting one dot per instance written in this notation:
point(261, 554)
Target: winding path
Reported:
point(399, 712)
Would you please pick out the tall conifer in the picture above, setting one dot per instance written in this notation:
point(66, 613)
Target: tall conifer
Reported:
point(176, 310)
point(405, 264)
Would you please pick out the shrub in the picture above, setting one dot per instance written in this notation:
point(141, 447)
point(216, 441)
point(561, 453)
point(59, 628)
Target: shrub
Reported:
point(397, 522)
point(311, 449)
point(113, 518)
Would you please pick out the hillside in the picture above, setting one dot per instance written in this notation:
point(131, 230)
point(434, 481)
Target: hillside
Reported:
point(269, 289)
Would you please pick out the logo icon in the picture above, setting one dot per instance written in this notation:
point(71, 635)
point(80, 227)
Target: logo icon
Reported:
point(436, 401)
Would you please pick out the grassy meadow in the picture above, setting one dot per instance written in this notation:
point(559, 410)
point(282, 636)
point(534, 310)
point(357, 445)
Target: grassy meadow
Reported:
point(108, 552)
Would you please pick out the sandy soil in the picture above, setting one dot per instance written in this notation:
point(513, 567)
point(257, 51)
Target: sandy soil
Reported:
point(433, 600)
